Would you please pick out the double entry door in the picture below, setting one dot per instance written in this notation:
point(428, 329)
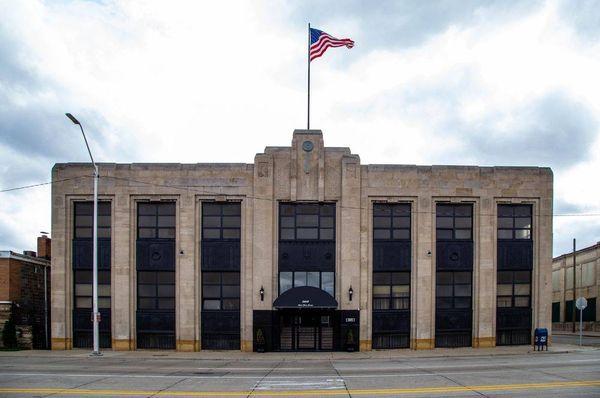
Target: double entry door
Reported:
point(306, 330)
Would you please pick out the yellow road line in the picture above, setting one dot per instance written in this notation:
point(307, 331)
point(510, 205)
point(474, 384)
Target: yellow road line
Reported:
point(379, 391)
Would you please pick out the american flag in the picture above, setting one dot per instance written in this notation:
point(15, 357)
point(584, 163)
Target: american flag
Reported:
point(321, 41)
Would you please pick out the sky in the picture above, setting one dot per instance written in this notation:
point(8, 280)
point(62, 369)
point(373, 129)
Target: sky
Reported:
point(438, 82)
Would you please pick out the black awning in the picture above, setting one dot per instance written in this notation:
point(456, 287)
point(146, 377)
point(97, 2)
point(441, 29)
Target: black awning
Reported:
point(305, 297)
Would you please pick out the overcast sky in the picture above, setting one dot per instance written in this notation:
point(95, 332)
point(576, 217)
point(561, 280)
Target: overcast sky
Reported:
point(446, 82)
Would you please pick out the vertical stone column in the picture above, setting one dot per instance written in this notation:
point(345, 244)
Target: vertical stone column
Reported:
point(61, 336)
point(485, 284)
point(186, 310)
point(423, 277)
point(246, 299)
point(543, 318)
point(263, 255)
point(121, 310)
point(349, 238)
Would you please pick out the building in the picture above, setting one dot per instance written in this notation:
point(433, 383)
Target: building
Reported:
point(305, 249)
point(25, 294)
point(587, 285)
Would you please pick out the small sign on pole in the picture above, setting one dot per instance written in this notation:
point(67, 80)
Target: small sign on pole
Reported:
point(581, 303)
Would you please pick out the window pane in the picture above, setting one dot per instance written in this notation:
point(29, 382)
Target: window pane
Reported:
point(287, 222)
point(505, 290)
point(166, 209)
point(305, 233)
point(83, 232)
point(400, 278)
point(381, 278)
point(211, 209)
point(84, 208)
point(83, 302)
point(83, 290)
point(504, 302)
point(463, 210)
point(166, 303)
point(444, 278)
point(146, 209)
point(327, 282)
point(505, 277)
point(231, 233)
point(165, 277)
point(104, 302)
point(211, 291)
point(381, 234)
point(401, 222)
point(166, 291)
point(445, 222)
point(443, 302)
point(83, 276)
point(382, 210)
point(381, 304)
point(443, 290)
point(401, 234)
point(231, 291)
point(104, 290)
point(524, 222)
point(211, 278)
point(505, 234)
point(103, 232)
point(146, 221)
point(212, 304)
point(462, 222)
point(84, 221)
point(286, 210)
point(211, 233)
point(307, 221)
point(166, 233)
point(522, 211)
point(104, 277)
point(462, 234)
point(444, 234)
point(311, 208)
point(462, 277)
point(522, 289)
point(381, 290)
point(328, 210)
point(146, 233)
point(505, 211)
point(462, 290)
point(525, 276)
point(522, 234)
point(326, 233)
point(299, 279)
point(146, 303)
point(231, 278)
point(382, 222)
point(166, 221)
point(231, 304)
point(231, 222)
point(522, 301)
point(147, 290)
point(400, 303)
point(287, 234)
point(285, 281)
point(400, 290)
point(326, 222)
point(505, 222)
point(232, 209)
point(312, 279)
point(213, 222)
point(445, 210)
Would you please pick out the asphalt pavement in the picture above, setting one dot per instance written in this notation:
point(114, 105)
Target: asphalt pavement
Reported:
point(568, 373)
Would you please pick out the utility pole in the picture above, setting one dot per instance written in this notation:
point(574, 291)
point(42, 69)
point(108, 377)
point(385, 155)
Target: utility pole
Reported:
point(574, 286)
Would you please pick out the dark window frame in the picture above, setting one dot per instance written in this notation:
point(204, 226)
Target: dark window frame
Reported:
point(514, 212)
point(391, 212)
point(159, 211)
point(392, 303)
point(156, 297)
point(83, 210)
point(296, 211)
point(221, 297)
point(294, 280)
point(225, 214)
point(513, 296)
point(443, 212)
point(79, 275)
point(453, 296)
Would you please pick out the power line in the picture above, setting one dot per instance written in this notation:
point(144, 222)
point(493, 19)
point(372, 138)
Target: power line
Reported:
point(40, 184)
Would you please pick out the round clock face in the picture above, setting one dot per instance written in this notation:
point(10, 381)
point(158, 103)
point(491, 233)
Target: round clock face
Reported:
point(307, 146)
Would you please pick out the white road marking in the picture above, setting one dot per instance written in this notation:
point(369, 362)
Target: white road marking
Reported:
point(326, 384)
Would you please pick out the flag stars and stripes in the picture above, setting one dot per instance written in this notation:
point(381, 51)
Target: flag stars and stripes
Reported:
point(321, 41)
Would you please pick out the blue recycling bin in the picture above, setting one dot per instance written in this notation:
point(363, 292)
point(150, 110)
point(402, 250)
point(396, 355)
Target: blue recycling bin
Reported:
point(540, 339)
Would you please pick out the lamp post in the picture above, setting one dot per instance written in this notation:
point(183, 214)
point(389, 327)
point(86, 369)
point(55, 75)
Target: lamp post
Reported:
point(95, 313)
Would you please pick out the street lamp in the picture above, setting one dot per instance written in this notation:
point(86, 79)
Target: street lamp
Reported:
point(95, 313)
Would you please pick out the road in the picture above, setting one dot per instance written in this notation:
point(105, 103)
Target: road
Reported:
point(524, 375)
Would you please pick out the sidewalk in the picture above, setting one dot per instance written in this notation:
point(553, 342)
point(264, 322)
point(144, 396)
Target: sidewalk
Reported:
point(586, 333)
point(290, 356)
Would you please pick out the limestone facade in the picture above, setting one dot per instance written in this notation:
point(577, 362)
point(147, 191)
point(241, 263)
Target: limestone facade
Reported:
point(282, 174)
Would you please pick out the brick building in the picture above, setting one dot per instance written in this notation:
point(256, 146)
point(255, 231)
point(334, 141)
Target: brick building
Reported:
point(304, 249)
point(25, 291)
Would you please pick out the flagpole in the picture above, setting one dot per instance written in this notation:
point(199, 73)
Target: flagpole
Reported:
point(308, 58)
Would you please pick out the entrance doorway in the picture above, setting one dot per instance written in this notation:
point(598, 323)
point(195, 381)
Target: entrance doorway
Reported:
point(306, 330)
